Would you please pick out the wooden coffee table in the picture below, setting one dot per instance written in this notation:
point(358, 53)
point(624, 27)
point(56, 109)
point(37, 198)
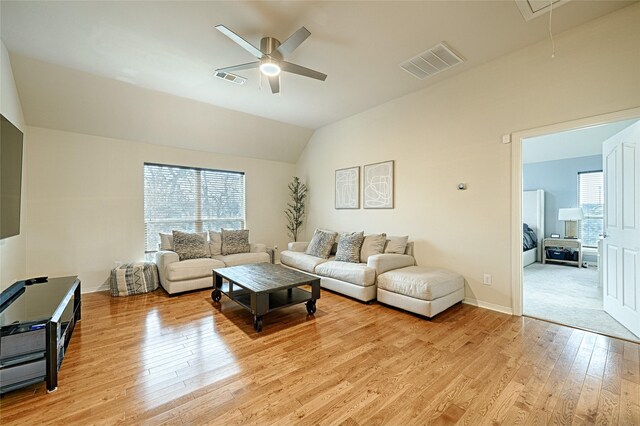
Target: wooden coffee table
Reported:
point(265, 287)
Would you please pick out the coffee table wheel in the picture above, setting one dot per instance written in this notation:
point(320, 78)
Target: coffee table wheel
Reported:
point(311, 307)
point(257, 323)
point(216, 295)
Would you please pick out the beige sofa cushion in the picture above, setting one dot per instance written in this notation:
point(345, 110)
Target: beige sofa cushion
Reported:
point(304, 262)
point(354, 273)
point(372, 244)
point(192, 268)
point(396, 244)
point(244, 258)
point(420, 282)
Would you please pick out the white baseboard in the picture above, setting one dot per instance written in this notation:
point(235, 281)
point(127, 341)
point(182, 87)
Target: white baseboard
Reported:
point(486, 305)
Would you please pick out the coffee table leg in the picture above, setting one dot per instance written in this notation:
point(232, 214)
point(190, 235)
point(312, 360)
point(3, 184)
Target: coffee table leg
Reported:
point(216, 295)
point(311, 306)
point(257, 323)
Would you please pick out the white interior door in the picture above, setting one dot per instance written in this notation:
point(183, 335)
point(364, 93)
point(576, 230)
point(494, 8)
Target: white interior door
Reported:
point(621, 245)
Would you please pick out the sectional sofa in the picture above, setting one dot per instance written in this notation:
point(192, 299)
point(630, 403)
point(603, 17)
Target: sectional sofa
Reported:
point(357, 280)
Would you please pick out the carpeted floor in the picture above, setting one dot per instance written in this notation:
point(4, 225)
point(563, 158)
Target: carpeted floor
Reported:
point(571, 296)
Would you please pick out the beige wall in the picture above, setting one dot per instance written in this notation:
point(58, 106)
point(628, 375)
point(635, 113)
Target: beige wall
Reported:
point(85, 200)
point(451, 133)
point(12, 249)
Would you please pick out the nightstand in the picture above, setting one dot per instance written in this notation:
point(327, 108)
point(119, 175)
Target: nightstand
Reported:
point(562, 243)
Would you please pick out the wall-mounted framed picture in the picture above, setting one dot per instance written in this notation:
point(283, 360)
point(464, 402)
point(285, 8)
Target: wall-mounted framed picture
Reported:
point(377, 185)
point(348, 188)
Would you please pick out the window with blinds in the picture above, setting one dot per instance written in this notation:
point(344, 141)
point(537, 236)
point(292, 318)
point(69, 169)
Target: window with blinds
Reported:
point(190, 200)
point(591, 201)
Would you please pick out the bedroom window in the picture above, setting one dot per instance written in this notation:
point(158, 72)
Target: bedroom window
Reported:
point(190, 199)
point(591, 201)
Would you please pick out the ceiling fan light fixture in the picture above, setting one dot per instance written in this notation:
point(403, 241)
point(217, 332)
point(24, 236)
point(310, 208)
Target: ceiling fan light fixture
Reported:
point(270, 68)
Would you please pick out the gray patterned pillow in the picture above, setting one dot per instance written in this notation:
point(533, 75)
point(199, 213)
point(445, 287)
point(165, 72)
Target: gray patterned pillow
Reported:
point(236, 241)
point(349, 247)
point(189, 245)
point(320, 245)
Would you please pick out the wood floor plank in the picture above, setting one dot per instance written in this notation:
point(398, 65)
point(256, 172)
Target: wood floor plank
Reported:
point(159, 360)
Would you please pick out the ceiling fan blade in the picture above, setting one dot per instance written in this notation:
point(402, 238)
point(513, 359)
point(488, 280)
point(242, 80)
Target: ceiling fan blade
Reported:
point(306, 72)
point(242, 42)
point(274, 82)
point(246, 66)
point(293, 42)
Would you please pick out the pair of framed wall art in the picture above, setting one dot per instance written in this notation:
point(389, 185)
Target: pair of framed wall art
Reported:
point(377, 186)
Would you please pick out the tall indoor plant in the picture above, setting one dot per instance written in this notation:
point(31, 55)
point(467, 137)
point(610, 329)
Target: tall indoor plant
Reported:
point(295, 208)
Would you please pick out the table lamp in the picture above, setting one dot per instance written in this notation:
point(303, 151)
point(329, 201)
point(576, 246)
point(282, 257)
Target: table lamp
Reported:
point(571, 216)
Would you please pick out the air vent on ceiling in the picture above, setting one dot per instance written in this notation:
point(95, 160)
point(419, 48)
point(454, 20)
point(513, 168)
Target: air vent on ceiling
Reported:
point(533, 8)
point(437, 59)
point(230, 77)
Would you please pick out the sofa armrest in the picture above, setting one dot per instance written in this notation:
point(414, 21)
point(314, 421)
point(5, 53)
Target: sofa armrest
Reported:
point(258, 248)
point(164, 258)
point(300, 246)
point(387, 262)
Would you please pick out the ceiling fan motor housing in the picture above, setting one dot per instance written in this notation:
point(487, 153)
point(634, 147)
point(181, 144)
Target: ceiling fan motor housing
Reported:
point(268, 45)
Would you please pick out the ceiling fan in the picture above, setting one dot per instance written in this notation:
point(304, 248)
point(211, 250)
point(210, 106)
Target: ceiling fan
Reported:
point(271, 56)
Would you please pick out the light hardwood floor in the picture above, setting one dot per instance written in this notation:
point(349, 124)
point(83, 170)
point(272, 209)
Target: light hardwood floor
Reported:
point(158, 360)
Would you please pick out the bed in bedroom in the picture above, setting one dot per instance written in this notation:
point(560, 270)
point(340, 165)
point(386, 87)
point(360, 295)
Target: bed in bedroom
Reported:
point(533, 218)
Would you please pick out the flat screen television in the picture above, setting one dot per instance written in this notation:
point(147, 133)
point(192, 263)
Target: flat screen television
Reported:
point(10, 178)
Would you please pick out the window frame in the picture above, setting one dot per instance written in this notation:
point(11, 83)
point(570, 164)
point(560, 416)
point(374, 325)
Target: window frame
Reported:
point(198, 220)
point(601, 218)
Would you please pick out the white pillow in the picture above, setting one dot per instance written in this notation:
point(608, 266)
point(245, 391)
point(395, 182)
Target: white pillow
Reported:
point(396, 244)
point(215, 243)
point(372, 244)
point(166, 241)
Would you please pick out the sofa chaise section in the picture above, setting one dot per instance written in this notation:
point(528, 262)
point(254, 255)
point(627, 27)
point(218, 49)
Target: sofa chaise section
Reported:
point(421, 290)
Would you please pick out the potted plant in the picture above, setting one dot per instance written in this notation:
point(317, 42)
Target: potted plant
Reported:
point(295, 208)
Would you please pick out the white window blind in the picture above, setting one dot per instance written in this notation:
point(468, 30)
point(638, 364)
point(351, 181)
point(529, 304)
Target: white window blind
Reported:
point(190, 200)
point(591, 201)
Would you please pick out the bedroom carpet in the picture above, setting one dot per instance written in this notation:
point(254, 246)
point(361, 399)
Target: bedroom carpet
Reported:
point(571, 296)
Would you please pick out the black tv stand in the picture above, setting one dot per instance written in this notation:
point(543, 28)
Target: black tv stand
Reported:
point(36, 325)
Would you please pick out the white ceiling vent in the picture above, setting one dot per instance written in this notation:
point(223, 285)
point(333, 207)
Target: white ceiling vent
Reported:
point(230, 77)
point(533, 8)
point(437, 59)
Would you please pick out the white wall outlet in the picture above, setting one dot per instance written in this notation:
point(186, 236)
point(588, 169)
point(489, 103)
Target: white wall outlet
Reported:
point(486, 279)
point(506, 138)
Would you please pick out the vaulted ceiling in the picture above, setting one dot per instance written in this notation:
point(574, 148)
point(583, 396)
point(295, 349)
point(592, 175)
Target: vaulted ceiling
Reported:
point(173, 48)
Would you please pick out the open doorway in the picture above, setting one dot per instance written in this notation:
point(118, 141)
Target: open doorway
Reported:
point(563, 205)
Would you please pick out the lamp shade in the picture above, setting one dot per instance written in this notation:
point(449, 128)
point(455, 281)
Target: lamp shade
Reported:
point(570, 214)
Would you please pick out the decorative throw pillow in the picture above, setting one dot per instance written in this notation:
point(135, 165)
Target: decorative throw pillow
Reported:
point(166, 241)
point(215, 243)
point(396, 244)
point(320, 245)
point(235, 241)
point(372, 244)
point(190, 245)
point(349, 247)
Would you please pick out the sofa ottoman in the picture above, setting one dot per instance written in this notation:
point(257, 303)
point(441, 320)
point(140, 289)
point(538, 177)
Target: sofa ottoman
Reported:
point(421, 290)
